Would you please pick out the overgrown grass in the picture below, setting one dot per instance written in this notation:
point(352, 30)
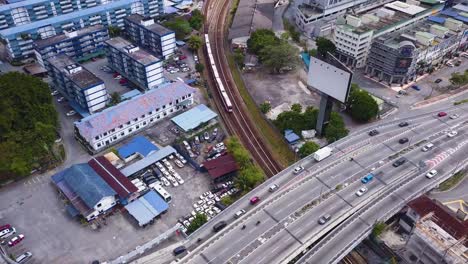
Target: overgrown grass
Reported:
point(281, 151)
point(233, 11)
point(452, 181)
point(461, 102)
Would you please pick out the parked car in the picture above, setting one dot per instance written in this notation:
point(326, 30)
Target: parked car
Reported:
point(15, 240)
point(179, 250)
point(361, 191)
point(53, 93)
point(452, 134)
point(416, 87)
point(273, 188)
point(438, 81)
point(322, 220)
point(61, 99)
point(23, 257)
point(206, 136)
point(454, 116)
point(7, 232)
point(3, 227)
point(182, 57)
point(70, 113)
point(441, 114)
point(431, 174)
point(373, 132)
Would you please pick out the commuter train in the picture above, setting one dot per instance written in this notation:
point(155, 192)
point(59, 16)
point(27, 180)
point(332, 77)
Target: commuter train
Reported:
point(219, 83)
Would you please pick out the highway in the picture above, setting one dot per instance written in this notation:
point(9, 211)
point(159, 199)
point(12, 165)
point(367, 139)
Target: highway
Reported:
point(289, 215)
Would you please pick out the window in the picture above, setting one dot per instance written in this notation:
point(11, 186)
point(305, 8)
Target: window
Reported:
point(164, 106)
point(158, 117)
point(135, 119)
point(128, 123)
point(150, 112)
point(114, 138)
point(121, 126)
point(122, 134)
point(165, 114)
point(157, 109)
point(99, 205)
point(143, 116)
point(177, 101)
point(98, 145)
point(144, 123)
point(105, 133)
point(130, 130)
point(137, 127)
point(112, 130)
point(97, 137)
point(170, 103)
point(172, 110)
point(152, 119)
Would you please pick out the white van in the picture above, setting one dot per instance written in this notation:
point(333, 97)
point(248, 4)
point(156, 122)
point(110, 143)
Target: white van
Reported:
point(186, 145)
point(23, 257)
point(7, 232)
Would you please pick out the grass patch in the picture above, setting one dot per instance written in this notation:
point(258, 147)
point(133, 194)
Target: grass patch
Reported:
point(461, 102)
point(281, 151)
point(233, 11)
point(452, 181)
point(62, 151)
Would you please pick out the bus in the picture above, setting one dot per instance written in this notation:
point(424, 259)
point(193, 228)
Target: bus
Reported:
point(163, 193)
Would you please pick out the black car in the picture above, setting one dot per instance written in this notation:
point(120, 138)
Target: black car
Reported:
point(179, 250)
point(438, 80)
point(399, 162)
point(373, 132)
point(403, 124)
point(403, 140)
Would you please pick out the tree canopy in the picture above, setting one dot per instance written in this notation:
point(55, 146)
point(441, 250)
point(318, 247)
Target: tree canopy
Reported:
point(180, 26)
point(261, 38)
point(196, 20)
point(325, 45)
point(308, 148)
point(28, 124)
point(279, 56)
point(114, 31)
point(199, 67)
point(265, 107)
point(360, 105)
point(115, 98)
point(459, 79)
point(335, 129)
point(198, 221)
point(194, 42)
point(297, 121)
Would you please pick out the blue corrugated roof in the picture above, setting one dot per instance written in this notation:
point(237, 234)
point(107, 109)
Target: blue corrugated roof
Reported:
point(140, 145)
point(194, 117)
point(87, 184)
point(462, 18)
point(436, 19)
point(147, 207)
point(290, 136)
point(64, 18)
point(450, 13)
point(146, 162)
point(72, 211)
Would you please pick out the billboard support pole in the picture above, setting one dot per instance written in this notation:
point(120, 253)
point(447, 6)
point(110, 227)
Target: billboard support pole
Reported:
point(326, 105)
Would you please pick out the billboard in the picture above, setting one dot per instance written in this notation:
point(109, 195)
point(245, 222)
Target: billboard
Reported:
point(332, 78)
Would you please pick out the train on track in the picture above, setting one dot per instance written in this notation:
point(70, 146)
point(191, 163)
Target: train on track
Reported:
point(219, 84)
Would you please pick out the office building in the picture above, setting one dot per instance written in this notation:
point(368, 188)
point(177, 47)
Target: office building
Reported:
point(318, 17)
point(144, 32)
point(79, 44)
point(135, 64)
point(85, 92)
point(100, 130)
point(354, 36)
point(22, 22)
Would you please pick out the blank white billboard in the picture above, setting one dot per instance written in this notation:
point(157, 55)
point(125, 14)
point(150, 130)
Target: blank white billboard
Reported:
point(329, 79)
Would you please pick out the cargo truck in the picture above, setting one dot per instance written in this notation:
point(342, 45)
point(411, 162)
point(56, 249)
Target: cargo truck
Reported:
point(322, 153)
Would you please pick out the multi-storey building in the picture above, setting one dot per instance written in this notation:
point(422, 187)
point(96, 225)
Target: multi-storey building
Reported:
point(105, 128)
point(354, 37)
point(21, 22)
point(393, 57)
point(78, 44)
point(144, 32)
point(135, 64)
point(318, 17)
point(85, 92)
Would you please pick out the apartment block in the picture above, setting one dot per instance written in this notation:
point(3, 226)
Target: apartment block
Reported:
point(134, 63)
point(22, 22)
point(144, 32)
point(85, 92)
point(79, 44)
point(100, 130)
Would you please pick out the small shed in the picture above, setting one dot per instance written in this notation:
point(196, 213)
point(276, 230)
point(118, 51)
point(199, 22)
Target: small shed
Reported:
point(290, 136)
point(194, 117)
point(147, 207)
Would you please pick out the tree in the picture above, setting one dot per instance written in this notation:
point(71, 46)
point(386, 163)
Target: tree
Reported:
point(335, 129)
point(265, 107)
point(459, 79)
point(261, 38)
point(180, 26)
point(313, 53)
point(279, 57)
point(196, 20)
point(199, 67)
point(308, 148)
point(114, 31)
point(325, 45)
point(290, 120)
point(198, 221)
point(285, 35)
point(28, 125)
point(295, 35)
point(239, 57)
point(248, 178)
point(194, 42)
point(296, 107)
point(115, 98)
point(378, 229)
point(360, 105)
point(227, 200)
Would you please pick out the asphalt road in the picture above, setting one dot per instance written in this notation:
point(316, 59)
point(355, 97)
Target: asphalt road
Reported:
point(281, 231)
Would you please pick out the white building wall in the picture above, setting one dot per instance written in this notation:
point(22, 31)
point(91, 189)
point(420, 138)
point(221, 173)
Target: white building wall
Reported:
point(105, 204)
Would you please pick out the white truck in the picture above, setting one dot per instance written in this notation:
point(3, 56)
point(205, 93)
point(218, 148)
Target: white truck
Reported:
point(322, 153)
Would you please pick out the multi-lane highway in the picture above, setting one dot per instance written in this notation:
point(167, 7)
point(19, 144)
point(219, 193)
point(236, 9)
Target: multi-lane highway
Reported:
point(289, 215)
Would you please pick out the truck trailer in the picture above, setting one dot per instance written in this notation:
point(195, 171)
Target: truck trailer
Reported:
point(322, 153)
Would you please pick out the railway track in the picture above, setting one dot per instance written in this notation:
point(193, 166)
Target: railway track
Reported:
point(238, 121)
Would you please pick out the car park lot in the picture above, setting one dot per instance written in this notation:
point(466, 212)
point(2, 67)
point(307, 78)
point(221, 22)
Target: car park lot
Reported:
point(112, 84)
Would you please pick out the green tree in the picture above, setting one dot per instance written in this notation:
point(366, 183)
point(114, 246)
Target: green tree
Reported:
point(291, 29)
point(114, 31)
point(285, 35)
point(325, 45)
point(180, 26)
point(261, 38)
point(194, 42)
point(378, 229)
point(196, 20)
point(248, 178)
point(265, 107)
point(239, 57)
point(313, 53)
point(459, 79)
point(280, 56)
point(198, 221)
point(115, 98)
point(227, 200)
point(199, 67)
point(335, 129)
point(308, 148)
point(296, 107)
point(290, 120)
point(28, 125)
point(360, 105)
point(310, 118)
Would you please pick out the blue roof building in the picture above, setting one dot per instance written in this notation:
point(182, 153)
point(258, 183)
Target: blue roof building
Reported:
point(139, 145)
point(147, 207)
point(194, 117)
point(290, 136)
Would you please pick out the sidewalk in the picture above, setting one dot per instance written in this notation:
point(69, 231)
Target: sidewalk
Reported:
point(440, 98)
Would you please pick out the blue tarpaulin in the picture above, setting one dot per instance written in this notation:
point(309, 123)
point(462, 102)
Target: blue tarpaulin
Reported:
point(306, 59)
point(290, 136)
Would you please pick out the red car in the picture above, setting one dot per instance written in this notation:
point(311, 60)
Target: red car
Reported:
point(3, 227)
point(182, 57)
point(116, 74)
point(441, 114)
point(15, 240)
point(254, 200)
point(123, 81)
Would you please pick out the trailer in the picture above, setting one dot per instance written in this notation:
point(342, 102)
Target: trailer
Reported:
point(322, 153)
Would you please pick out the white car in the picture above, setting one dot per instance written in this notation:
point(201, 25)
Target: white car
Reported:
point(53, 93)
point(70, 113)
point(195, 57)
point(179, 179)
point(118, 77)
point(451, 134)
point(431, 174)
point(173, 181)
point(361, 191)
point(178, 163)
point(61, 99)
point(454, 116)
point(298, 169)
point(165, 181)
point(171, 157)
point(159, 165)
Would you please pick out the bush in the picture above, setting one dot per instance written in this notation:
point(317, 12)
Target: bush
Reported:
point(199, 67)
point(196, 20)
point(379, 227)
point(198, 221)
point(261, 38)
point(360, 105)
point(297, 121)
point(335, 129)
point(308, 148)
point(265, 107)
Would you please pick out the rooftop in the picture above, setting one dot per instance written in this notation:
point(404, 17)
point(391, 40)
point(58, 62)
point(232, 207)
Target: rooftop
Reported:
point(405, 8)
point(136, 54)
point(220, 166)
point(194, 117)
point(147, 161)
point(61, 37)
point(154, 27)
point(140, 145)
point(147, 207)
point(120, 114)
point(250, 16)
point(82, 78)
